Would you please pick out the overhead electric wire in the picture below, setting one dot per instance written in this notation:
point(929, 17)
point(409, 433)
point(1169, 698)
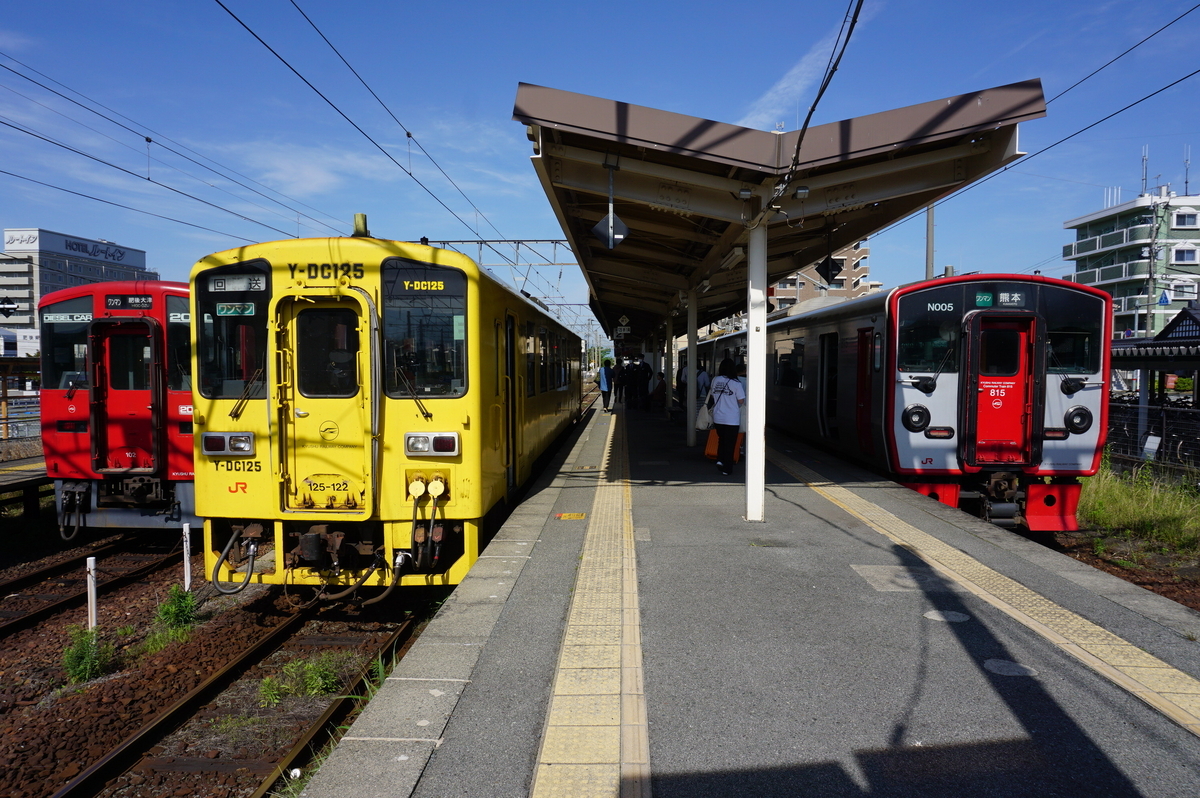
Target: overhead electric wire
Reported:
point(126, 207)
point(1064, 139)
point(159, 161)
point(1122, 55)
point(148, 179)
point(408, 133)
point(352, 123)
point(148, 140)
point(830, 69)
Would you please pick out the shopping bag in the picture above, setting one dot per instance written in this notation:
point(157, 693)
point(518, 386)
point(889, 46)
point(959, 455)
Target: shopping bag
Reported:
point(703, 418)
point(710, 446)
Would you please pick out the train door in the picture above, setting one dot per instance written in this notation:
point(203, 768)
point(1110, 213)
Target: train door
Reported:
point(126, 397)
point(1000, 389)
point(508, 396)
point(862, 391)
point(325, 406)
point(827, 384)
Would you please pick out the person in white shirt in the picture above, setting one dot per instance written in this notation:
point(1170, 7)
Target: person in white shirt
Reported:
point(728, 398)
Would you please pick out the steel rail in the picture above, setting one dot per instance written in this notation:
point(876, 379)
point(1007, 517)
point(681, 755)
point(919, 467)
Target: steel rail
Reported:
point(41, 613)
point(323, 729)
point(127, 754)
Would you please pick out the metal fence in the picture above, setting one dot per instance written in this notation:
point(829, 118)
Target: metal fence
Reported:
point(1166, 435)
point(20, 428)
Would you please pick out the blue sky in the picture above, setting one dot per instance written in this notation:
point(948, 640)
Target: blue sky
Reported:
point(449, 72)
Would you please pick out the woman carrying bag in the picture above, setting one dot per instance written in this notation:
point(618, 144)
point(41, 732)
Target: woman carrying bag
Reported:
point(726, 398)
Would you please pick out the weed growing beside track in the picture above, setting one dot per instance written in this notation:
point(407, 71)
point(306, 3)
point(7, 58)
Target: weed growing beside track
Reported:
point(1161, 515)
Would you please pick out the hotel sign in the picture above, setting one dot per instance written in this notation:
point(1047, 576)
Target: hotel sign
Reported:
point(29, 240)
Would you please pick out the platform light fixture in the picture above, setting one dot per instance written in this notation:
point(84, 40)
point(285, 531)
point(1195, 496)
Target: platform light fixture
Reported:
point(733, 258)
point(801, 193)
point(746, 193)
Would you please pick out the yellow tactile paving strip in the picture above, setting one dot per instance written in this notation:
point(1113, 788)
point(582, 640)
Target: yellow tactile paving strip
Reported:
point(1167, 689)
point(595, 743)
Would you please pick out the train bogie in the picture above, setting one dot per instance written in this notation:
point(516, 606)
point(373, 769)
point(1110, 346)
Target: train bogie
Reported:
point(364, 408)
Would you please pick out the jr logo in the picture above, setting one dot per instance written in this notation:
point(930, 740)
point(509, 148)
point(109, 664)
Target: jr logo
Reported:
point(238, 487)
point(927, 461)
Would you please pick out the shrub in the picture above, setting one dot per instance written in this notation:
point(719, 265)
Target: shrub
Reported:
point(179, 610)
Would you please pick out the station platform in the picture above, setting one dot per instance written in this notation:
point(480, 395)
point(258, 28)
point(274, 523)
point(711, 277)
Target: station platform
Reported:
point(627, 633)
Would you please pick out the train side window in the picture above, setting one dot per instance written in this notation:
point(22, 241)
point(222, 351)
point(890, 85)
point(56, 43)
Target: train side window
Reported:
point(789, 363)
point(530, 361)
point(544, 370)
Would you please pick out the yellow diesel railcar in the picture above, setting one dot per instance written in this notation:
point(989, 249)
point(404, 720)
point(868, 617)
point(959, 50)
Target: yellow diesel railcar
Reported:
point(364, 409)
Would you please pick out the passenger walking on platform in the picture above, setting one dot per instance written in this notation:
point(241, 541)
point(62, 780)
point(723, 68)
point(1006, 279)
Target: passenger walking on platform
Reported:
point(621, 376)
point(728, 397)
point(703, 381)
point(639, 383)
point(604, 378)
point(658, 394)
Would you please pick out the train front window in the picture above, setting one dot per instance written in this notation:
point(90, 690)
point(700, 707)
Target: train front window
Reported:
point(999, 353)
point(179, 344)
point(1074, 334)
point(231, 305)
point(64, 343)
point(424, 329)
point(129, 362)
point(929, 330)
point(327, 352)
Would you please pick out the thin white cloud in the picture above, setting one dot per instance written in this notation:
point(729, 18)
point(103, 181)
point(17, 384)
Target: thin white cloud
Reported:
point(783, 101)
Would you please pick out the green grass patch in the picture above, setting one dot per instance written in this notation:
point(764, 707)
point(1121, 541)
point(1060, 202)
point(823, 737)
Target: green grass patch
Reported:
point(1142, 507)
point(321, 675)
point(86, 657)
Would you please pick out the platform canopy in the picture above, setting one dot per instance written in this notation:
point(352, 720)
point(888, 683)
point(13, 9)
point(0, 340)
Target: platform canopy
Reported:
point(687, 188)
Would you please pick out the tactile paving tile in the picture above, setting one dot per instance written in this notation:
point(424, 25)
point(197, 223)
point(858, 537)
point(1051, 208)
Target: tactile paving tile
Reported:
point(596, 740)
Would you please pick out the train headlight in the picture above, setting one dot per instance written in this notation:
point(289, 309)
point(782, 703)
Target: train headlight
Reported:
point(238, 443)
point(1078, 420)
point(431, 444)
point(915, 418)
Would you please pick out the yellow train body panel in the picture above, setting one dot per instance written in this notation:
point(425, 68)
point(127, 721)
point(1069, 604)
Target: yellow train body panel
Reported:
point(363, 407)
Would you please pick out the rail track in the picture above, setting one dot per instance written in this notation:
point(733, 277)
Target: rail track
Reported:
point(31, 598)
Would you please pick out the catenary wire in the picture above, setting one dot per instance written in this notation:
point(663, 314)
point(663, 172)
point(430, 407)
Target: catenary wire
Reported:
point(126, 207)
point(352, 123)
point(69, 148)
point(158, 143)
point(159, 161)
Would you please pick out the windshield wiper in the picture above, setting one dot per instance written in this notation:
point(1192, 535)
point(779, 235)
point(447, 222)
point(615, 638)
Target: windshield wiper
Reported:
point(929, 384)
point(240, 404)
point(408, 386)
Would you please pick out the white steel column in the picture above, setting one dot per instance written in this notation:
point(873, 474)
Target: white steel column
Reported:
point(693, 342)
point(756, 371)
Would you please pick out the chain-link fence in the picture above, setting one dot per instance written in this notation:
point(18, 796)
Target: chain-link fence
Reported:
point(20, 428)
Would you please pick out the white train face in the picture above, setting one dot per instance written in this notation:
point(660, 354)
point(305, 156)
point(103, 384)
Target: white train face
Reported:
point(998, 375)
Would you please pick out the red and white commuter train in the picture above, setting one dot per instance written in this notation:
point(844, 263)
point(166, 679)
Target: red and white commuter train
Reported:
point(986, 392)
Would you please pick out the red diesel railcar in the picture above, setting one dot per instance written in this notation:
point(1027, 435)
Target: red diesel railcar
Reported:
point(116, 404)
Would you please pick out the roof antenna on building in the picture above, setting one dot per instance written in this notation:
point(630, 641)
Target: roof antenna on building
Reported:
point(1145, 158)
point(1187, 165)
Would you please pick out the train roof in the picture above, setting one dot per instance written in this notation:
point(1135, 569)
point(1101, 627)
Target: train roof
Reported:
point(111, 287)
